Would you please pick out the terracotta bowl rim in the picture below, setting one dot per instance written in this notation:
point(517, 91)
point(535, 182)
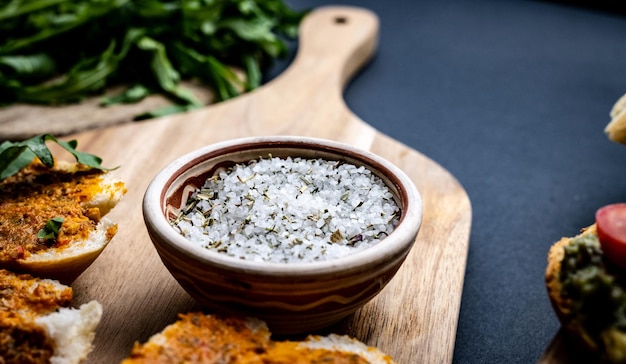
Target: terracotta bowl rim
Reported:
point(396, 245)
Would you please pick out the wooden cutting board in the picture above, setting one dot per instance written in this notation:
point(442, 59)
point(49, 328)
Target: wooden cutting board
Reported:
point(415, 317)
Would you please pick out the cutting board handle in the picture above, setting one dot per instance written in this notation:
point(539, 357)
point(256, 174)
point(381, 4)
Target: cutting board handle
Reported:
point(336, 39)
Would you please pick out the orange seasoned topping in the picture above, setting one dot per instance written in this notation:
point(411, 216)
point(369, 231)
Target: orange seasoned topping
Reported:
point(289, 352)
point(37, 194)
point(30, 296)
point(23, 342)
point(199, 338)
point(23, 297)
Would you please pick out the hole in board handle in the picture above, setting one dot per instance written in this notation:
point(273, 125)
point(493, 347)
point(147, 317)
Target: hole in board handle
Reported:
point(341, 20)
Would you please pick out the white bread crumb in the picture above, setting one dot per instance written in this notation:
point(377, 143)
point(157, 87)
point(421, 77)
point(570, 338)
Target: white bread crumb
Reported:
point(72, 330)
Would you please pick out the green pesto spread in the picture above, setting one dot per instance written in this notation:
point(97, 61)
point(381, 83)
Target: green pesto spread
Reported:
point(597, 292)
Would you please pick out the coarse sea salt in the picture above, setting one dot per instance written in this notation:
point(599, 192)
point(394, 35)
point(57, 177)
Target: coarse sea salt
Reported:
point(290, 210)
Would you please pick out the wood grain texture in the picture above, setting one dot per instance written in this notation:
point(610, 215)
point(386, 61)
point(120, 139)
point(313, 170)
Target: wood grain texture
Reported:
point(414, 318)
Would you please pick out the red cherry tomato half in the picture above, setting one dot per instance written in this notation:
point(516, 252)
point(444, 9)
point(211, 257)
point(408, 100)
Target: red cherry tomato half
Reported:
point(611, 225)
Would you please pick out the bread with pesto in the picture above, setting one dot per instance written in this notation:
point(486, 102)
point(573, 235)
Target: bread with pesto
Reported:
point(588, 294)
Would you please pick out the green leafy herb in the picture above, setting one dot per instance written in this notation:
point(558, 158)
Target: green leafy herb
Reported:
point(16, 155)
point(51, 230)
point(135, 93)
point(61, 51)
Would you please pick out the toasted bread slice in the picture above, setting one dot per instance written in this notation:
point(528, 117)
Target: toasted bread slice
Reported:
point(588, 295)
point(36, 195)
point(200, 338)
point(37, 324)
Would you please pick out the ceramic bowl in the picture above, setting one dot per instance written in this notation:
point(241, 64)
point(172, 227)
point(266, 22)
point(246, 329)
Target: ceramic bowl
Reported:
point(293, 298)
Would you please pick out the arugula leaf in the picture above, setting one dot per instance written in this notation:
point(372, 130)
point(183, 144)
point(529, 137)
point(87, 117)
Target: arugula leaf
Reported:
point(13, 159)
point(165, 110)
point(210, 69)
point(35, 66)
point(16, 155)
point(130, 95)
point(16, 8)
point(51, 230)
point(253, 72)
point(165, 74)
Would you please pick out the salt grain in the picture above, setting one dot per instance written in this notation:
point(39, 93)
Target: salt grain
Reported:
point(290, 210)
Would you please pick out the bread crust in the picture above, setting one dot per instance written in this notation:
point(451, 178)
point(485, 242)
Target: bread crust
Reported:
point(561, 305)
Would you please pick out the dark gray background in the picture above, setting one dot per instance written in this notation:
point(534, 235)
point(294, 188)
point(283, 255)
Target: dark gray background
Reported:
point(512, 98)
